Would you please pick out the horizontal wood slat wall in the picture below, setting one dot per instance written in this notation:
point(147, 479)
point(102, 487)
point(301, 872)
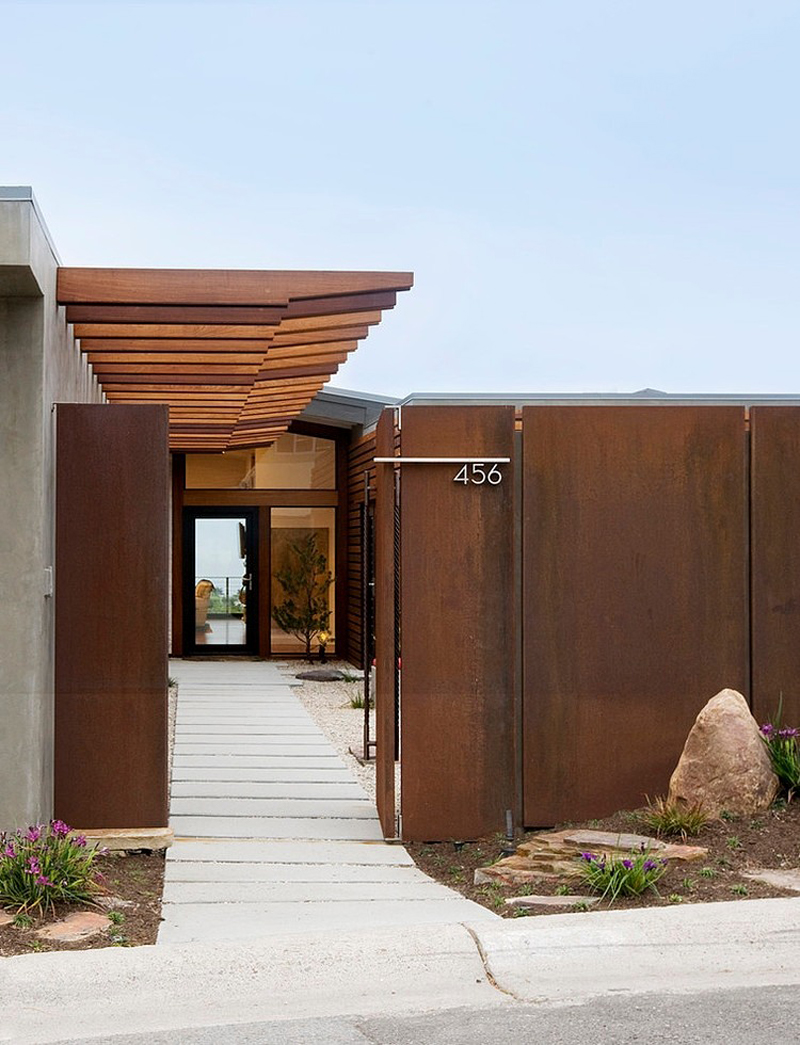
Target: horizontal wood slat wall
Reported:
point(111, 592)
point(360, 459)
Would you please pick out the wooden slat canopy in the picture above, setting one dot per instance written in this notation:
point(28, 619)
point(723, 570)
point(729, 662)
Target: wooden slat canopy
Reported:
point(236, 355)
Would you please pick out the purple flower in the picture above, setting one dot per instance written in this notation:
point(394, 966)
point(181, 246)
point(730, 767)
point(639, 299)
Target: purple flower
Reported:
point(767, 729)
point(79, 841)
point(788, 732)
point(627, 864)
point(10, 851)
point(60, 829)
point(650, 865)
point(33, 834)
point(588, 857)
point(43, 880)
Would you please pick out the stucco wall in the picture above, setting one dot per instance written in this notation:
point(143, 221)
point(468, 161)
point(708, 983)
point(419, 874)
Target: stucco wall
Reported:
point(39, 365)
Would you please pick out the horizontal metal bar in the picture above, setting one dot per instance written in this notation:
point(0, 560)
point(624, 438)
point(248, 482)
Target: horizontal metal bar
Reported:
point(442, 460)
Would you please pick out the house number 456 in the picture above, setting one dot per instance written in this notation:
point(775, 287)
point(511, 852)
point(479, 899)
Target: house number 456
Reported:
point(477, 474)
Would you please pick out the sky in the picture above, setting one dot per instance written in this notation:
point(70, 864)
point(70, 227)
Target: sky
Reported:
point(593, 196)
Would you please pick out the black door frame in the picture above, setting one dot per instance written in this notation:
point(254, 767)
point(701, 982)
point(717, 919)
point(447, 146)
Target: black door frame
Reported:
point(190, 516)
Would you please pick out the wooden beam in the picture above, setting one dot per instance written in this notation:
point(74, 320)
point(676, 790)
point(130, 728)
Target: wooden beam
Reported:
point(174, 314)
point(355, 319)
point(254, 358)
point(215, 286)
point(342, 303)
point(165, 369)
point(181, 331)
point(190, 345)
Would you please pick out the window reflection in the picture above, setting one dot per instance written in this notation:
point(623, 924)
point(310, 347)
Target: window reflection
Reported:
point(293, 462)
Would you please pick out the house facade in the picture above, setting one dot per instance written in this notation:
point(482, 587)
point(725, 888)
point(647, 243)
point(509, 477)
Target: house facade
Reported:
point(551, 587)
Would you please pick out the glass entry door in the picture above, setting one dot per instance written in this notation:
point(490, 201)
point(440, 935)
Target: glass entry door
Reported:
point(220, 580)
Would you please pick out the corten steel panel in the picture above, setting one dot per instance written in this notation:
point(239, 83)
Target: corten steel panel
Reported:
point(635, 596)
point(457, 712)
point(385, 725)
point(112, 529)
point(775, 551)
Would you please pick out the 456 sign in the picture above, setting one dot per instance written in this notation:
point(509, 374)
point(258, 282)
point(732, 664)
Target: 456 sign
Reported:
point(478, 474)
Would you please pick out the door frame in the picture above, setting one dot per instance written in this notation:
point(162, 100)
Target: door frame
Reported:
point(190, 514)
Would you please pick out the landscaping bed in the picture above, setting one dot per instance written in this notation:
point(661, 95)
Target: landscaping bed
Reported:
point(132, 904)
point(736, 845)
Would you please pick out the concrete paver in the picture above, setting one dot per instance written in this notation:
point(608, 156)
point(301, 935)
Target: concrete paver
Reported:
point(273, 832)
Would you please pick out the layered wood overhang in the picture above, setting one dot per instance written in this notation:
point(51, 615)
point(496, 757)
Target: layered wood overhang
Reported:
point(236, 355)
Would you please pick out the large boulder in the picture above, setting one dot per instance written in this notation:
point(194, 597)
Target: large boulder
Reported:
point(724, 765)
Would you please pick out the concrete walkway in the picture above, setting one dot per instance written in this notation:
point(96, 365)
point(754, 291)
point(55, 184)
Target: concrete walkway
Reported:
point(273, 832)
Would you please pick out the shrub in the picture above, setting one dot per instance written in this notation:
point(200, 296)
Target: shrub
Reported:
point(783, 746)
point(672, 818)
point(43, 866)
point(614, 876)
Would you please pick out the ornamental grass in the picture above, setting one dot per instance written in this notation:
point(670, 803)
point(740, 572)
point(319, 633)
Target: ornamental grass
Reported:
point(44, 866)
point(612, 876)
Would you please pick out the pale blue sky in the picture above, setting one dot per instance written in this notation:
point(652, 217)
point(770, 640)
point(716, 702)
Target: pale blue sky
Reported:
point(593, 195)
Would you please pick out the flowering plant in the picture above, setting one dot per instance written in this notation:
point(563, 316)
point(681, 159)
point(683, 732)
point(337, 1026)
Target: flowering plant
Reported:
point(43, 866)
point(613, 876)
point(783, 745)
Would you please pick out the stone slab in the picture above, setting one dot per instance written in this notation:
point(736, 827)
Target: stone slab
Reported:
point(295, 893)
point(6, 918)
point(334, 790)
point(127, 839)
point(187, 923)
point(551, 901)
point(300, 808)
point(279, 827)
point(237, 748)
point(247, 728)
point(264, 774)
point(77, 926)
point(288, 851)
point(205, 871)
point(786, 879)
point(221, 761)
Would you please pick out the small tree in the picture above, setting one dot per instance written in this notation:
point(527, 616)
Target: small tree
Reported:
point(305, 579)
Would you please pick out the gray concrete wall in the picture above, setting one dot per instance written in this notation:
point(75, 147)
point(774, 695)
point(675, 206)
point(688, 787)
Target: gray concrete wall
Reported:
point(39, 365)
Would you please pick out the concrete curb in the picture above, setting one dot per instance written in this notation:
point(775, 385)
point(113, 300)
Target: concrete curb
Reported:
point(560, 959)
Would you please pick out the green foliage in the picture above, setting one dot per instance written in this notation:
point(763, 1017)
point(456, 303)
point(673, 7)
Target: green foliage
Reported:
point(708, 872)
point(726, 815)
point(305, 580)
point(614, 876)
point(673, 818)
point(116, 917)
point(675, 898)
point(734, 842)
point(740, 889)
point(43, 866)
point(783, 745)
point(563, 890)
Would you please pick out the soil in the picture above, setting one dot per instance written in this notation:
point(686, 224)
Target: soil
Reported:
point(135, 881)
point(770, 839)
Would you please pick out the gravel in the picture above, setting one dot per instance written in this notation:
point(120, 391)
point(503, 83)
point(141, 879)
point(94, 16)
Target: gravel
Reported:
point(329, 704)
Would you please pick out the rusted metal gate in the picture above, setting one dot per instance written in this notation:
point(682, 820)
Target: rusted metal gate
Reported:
point(386, 623)
point(561, 632)
point(635, 595)
point(775, 563)
point(456, 569)
point(112, 562)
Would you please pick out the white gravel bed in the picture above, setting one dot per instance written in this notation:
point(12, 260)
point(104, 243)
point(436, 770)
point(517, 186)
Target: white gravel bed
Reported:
point(328, 703)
